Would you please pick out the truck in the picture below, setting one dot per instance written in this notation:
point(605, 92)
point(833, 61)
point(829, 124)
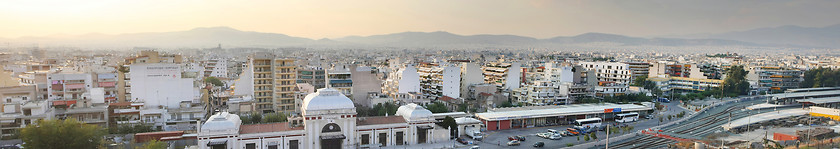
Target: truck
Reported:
point(474, 133)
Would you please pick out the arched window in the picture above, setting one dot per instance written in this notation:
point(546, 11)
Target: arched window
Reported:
point(331, 127)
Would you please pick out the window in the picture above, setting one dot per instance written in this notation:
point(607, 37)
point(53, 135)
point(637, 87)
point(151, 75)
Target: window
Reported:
point(250, 146)
point(383, 139)
point(399, 136)
point(365, 139)
point(293, 144)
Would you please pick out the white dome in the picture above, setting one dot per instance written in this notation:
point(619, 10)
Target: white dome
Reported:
point(326, 99)
point(412, 112)
point(222, 121)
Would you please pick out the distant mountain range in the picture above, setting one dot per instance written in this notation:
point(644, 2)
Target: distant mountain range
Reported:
point(209, 37)
point(828, 36)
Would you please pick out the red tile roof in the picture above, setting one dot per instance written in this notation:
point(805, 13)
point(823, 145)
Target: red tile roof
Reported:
point(447, 99)
point(260, 128)
point(379, 120)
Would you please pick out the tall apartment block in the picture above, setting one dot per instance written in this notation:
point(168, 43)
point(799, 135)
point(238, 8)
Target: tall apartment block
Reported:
point(502, 74)
point(775, 79)
point(438, 80)
point(638, 69)
point(313, 76)
point(274, 82)
point(340, 79)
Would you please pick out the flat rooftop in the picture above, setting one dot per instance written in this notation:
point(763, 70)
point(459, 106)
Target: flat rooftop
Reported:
point(805, 94)
point(812, 89)
point(764, 117)
point(822, 100)
point(564, 110)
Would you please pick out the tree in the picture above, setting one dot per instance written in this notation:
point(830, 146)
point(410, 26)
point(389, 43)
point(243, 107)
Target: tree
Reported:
point(380, 109)
point(585, 137)
point(255, 118)
point(660, 119)
point(821, 77)
point(246, 119)
point(463, 107)
point(578, 138)
point(670, 116)
point(437, 107)
point(640, 81)
point(594, 136)
point(736, 83)
point(274, 118)
point(68, 133)
point(215, 81)
point(449, 122)
point(363, 110)
point(154, 144)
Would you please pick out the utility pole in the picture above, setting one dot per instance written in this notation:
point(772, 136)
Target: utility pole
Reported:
point(608, 136)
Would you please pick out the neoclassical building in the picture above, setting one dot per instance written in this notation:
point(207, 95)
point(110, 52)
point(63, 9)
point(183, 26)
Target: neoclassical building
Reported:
point(330, 122)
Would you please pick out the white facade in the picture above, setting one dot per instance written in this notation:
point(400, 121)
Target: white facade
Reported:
point(330, 121)
point(470, 75)
point(68, 86)
point(161, 84)
point(216, 67)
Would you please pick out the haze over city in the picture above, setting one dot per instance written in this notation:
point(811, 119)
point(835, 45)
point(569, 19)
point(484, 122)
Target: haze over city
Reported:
point(432, 74)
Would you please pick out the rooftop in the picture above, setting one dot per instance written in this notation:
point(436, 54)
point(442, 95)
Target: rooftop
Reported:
point(379, 120)
point(272, 127)
point(564, 110)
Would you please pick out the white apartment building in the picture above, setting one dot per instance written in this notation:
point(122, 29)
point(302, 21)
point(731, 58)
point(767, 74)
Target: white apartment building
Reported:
point(471, 74)
point(539, 93)
point(341, 79)
point(506, 76)
point(160, 84)
point(610, 71)
point(613, 78)
point(438, 80)
point(216, 67)
point(404, 81)
point(68, 86)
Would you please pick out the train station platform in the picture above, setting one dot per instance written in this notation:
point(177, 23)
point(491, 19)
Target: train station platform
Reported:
point(764, 117)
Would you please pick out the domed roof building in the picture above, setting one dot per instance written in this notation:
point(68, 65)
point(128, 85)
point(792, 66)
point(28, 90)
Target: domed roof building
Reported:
point(415, 113)
point(329, 121)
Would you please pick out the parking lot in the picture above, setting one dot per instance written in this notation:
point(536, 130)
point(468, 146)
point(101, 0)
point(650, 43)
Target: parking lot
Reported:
point(498, 139)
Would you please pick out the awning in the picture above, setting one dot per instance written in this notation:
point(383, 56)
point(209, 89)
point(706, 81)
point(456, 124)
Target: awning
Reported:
point(341, 136)
point(424, 127)
point(216, 142)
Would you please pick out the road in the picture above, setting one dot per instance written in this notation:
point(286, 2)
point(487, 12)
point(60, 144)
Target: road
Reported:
point(498, 139)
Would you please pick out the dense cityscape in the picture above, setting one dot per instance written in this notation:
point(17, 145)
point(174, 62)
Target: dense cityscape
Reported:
point(225, 88)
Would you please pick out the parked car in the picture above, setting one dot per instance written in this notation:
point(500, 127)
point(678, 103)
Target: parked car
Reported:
point(474, 147)
point(544, 134)
point(539, 144)
point(464, 141)
point(555, 137)
point(520, 138)
point(513, 143)
point(649, 116)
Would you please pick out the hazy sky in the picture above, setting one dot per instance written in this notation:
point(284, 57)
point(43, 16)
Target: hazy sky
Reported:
point(338, 18)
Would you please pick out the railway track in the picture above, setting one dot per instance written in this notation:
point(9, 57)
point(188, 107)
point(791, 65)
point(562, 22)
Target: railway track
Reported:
point(699, 126)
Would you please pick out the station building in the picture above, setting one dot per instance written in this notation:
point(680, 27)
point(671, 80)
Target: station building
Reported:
point(329, 121)
point(536, 116)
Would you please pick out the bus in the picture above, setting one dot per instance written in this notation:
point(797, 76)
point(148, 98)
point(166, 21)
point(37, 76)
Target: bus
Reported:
point(588, 123)
point(627, 117)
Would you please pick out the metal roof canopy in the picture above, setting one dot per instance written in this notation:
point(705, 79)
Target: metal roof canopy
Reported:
point(559, 111)
point(805, 94)
point(820, 100)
